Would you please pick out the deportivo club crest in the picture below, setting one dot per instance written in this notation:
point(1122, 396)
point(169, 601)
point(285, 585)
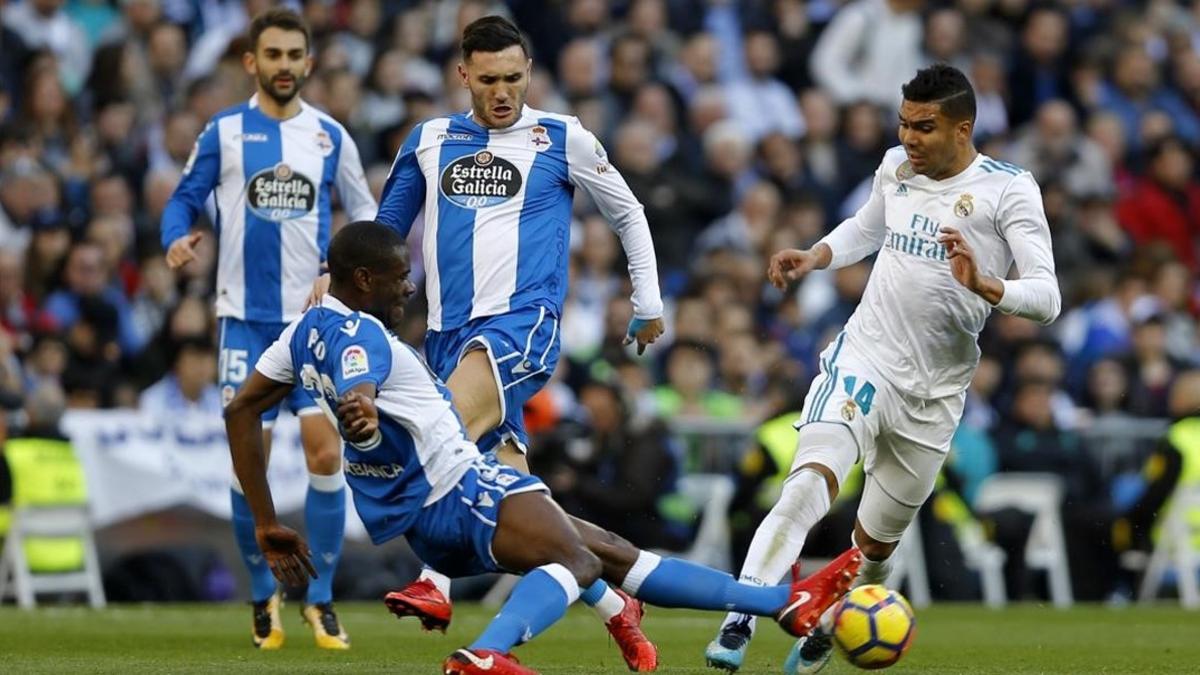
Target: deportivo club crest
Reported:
point(539, 138)
point(964, 206)
point(905, 171)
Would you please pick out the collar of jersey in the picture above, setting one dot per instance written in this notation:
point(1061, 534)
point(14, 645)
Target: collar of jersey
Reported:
point(328, 301)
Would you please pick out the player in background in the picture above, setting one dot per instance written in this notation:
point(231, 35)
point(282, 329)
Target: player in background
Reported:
point(272, 163)
point(494, 186)
point(948, 223)
point(414, 472)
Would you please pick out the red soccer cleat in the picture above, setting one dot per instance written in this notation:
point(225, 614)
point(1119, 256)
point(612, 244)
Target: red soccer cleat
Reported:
point(483, 662)
point(639, 652)
point(423, 600)
point(812, 596)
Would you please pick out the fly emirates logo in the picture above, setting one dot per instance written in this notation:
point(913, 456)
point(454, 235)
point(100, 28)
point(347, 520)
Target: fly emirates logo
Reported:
point(920, 240)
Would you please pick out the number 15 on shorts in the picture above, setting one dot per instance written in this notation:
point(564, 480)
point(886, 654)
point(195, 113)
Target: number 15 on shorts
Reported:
point(861, 399)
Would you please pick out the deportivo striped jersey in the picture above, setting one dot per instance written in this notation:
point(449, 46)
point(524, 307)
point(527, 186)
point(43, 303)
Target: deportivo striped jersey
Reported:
point(272, 182)
point(497, 211)
point(915, 323)
point(421, 449)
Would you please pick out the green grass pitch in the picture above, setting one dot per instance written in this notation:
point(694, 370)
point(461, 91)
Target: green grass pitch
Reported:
point(215, 639)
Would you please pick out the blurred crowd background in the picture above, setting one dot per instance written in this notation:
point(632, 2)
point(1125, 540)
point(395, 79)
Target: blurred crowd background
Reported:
point(743, 127)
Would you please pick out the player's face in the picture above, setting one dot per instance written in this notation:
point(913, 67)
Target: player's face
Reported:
point(498, 82)
point(391, 290)
point(931, 140)
point(280, 63)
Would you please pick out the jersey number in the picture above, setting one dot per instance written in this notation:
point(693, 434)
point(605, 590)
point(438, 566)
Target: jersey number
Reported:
point(865, 394)
point(232, 365)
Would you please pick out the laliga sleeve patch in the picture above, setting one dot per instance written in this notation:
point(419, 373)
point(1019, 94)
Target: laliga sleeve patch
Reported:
point(354, 362)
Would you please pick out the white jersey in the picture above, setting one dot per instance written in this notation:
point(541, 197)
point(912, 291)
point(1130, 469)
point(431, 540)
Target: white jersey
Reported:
point(915, 324)
point(272, 180)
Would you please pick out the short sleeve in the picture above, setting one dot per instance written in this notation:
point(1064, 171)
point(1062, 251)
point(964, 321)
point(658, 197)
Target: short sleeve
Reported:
point(277, 363)
point(363, 353)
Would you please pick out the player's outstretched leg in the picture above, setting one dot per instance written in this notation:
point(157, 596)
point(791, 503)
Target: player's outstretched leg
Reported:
point(671, 582)
point(325, 520)
point(532, 535)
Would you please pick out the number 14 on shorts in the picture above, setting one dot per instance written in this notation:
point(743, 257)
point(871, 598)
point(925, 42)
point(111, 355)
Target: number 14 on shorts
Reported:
point(857, 400)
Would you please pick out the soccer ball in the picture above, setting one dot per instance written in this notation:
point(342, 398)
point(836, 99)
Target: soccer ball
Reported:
point(873, 626)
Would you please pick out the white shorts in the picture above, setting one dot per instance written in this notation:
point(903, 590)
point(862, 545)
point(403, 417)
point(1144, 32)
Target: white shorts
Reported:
point(902, 440)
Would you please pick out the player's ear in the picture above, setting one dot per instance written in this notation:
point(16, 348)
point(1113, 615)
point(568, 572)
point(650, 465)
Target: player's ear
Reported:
point(362, 279)
point(249, 63)
point(462, 74)
point(308, 64)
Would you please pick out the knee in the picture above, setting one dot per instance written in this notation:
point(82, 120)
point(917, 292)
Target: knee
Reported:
point(324, 458)
point(831, 480)
point(585, 566)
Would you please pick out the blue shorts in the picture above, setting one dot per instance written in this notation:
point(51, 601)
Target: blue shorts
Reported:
point(454, 534)
point(523, 348)
point(241, 345)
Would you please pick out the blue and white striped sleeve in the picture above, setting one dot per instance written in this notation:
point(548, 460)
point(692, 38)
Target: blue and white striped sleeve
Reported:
point(352, 187)
point(200, 176)
point(588, 167)
point(404, 192)
point(363, 354)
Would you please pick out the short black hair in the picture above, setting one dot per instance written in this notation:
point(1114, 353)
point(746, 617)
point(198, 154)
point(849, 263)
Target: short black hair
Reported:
point(365, 243)
point(945, 85)
point(491, 34)
point(282, 18)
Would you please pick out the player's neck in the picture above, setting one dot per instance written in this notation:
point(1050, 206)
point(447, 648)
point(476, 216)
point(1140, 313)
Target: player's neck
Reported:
point(960, 164)
point(273, 109)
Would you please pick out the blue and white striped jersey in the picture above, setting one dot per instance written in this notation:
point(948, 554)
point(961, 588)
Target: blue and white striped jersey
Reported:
point(272, 181)
point(497, 210)
point(421, 450)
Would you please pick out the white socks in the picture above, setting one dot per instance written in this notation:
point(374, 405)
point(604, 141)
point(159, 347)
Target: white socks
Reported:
point(871, 572)
point(609, 606)
point(779, 539)
point(440, 580)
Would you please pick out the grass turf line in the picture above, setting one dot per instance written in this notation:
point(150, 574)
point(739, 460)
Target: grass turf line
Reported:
point(216, 639)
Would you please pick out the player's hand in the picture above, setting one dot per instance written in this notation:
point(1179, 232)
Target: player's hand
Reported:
point(645, 331)
point(319, 288)
point(182, 250)
point(358, 416)
point(792, 264)
point(962, 259)
point(286, 553)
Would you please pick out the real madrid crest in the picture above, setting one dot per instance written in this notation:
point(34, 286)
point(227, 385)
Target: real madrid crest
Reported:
point(964, 206)
point(848, 410)
point(905, 171)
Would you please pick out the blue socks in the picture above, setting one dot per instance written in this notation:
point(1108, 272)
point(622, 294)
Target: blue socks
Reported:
point(593, 593)
point(262, 582)
point(671, 582)
point(325, 522)
point(539, 599)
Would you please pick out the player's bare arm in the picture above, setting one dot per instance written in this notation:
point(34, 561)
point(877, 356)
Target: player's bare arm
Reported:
point(792, 264)
point(286, 552)
point(966, 270)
